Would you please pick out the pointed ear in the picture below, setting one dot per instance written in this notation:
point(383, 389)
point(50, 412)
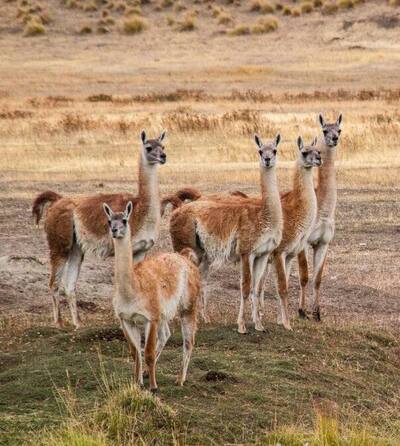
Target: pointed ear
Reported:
point(277, 139)
point(300, 143)
point(339, 119)
point(258, 141)
point(143, 137)
point(314, 141)
point(108, 211)
point(162, 136)
point(128, 210)
point(321, 120)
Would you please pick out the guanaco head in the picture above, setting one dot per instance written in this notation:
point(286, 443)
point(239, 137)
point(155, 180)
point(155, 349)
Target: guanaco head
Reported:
point(153, 149)
point(331, 131)
point(118, 221)
point(309, 155)
point(268, 151)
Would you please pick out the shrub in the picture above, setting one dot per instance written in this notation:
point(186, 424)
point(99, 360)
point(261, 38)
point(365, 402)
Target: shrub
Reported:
point(287, 10)
point(133, 10)
point(263, 6)
point(266, 25)
point(279, 6)
point(86, 29)
point(34, 28)
point(178, 7)
point(170, 21)
point(394, 2)
point(224, 18)
point(166, 3)
point(71, 4)
point(330, 8)
point(134, 25)
point(306, 7)
point(102, 29)
point(318, 3)
point(240, 30)
point(45, 18)
point(187, 24)
point(345, 4)
point(296, 12)
point(105, 13)
point(90, 7)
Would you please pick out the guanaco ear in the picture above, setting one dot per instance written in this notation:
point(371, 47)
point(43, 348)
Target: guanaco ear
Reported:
point(300, 143)
point(321, 120)
point(108, 210)
point(277, 139)
point(314, 141)
point(339, 119)
point(128, 210)
point(162, 136)
point(258, 141)
point(143, 137)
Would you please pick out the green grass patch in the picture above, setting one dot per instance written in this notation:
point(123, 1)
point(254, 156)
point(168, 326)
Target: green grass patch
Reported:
point(240, 389)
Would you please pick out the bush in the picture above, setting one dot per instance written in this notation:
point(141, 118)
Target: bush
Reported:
point(306, 7)
point(394, 2)
point(90, 7)
point(187, 24)
point(263, 6)
point(34, 28)
point(345, 4)
point(178, 7)
point(266, 25)
point(86, 29)
point(133, 10)
point(224, 18)
point(240, 30)
point(318, 3)
point(330, 8)
point(134, 25)
point(287, 10)
point(296, 12)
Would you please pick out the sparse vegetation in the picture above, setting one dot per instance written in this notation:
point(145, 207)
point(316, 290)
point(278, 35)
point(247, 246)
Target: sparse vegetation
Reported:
point(86, 29)
point(265, 25)
point(394, 2)
point(188, 23)
point(345, 4)
point(224, 18)
point(307, 7)
point(330, 8)
point(262, 6)
point(34, 27)
point(134, 25)
point(240, 30)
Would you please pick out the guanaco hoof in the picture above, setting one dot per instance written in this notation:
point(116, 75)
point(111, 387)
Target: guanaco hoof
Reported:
point(303, 314)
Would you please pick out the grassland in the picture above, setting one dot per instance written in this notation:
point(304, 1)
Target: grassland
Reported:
point(71, 109)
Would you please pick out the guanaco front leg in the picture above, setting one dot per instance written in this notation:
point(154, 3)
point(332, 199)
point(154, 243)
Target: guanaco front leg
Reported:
point(150, 354)
point(282, 289)
point(257, 270)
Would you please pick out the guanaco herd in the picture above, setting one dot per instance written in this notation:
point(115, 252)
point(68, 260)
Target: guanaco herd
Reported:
point(262, 233)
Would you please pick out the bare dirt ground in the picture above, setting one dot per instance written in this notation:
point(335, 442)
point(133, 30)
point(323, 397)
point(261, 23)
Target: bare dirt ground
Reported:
point(361, 283)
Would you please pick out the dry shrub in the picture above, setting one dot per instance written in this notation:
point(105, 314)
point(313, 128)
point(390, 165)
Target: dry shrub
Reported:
point(34, 28)
point(265, 25)
point(90, 7)
point(166, 3)
point(330, 8)
point(103, 29)
point(120, 7)
point(279, 6)
point(179, 6)
point(86, 29)
point(394, 2)
point(187, 24)
point(224, 18)
point(105, 13)
point(71, 4)
point(345, 4)
point(307, 7)
point(15, 114)
point(287, 10)
point(45, 18)
point(240, 30)
point(110, 21)
point(296, 12)
point(318, 3)
point(134, 25)
point(262, 6)
point(133, 10)
point(170, 21)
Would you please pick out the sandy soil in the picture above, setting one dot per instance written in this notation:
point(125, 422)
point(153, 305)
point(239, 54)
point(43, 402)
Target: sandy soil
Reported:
point(361, 283)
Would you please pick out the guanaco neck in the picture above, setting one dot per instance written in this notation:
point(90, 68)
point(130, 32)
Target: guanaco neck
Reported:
point(303, 187)
point(327, 187)
point(149, 195)
point(123, 264)
point(271, 202)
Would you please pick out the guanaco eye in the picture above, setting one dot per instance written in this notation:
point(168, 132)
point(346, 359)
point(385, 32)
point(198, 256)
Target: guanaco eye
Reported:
point(339, 132)
point(124, 221)
point(148, 149)
point(260, 152)
point(109, 222)
point(325, 132)
point(274, 152)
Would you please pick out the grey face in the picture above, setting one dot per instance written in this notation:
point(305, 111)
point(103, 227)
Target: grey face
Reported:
point(309, 155)
point(268, 150)
point(118, 221)
point(154, 149)
point(331, 131)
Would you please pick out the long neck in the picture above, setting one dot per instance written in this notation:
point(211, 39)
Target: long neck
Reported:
point(271, 202)
point(303, 187)
point(149, 195)
point(327, 187)
point(123, 264)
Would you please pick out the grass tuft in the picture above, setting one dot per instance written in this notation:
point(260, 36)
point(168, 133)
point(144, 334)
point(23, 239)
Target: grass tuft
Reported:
point(307, 7)
point(262, 6)
point(345, 4)
point(187, 24)
point(240, 30)
point(265, 25)
point(34, 27)
point(134, 25)
point(330, 8)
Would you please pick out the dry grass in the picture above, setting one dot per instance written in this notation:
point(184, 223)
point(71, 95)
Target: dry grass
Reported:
point(262, 6)
point(224, 18)
point(345, 4)
point(394, 2)
point(265, 25)
point(188, 23)
point(240, 30)
point(34, 27)
point(330, 8)
point(134, 25)
point(307, 7)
